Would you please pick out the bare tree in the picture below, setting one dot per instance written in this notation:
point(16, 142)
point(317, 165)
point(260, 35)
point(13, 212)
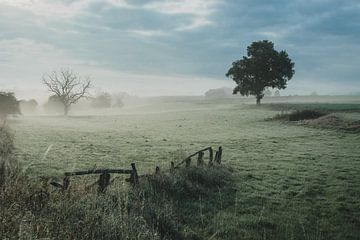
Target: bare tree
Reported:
point(67, 86)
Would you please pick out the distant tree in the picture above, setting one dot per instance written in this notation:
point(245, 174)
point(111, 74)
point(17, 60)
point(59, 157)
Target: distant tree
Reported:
point(53, 105)
point(267, 93)
point(263, 67)
point(215, 93)
point(277, 93)
point(28, 106)
point(67, 86)
point(118, 99)
point(118, 103)
point(103, 100)
point(8, 104)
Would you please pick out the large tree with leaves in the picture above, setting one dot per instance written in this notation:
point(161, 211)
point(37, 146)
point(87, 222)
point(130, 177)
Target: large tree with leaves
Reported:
point(67, 86)
point(262, 68)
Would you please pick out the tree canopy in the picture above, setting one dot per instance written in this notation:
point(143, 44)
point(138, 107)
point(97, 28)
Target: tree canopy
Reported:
point(262, 68)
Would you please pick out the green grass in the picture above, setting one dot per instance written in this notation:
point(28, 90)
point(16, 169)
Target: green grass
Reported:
point(290, 181)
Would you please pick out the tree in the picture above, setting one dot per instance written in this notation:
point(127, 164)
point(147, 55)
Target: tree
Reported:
point(103, 100)
point(262, 67)
point(67, 86)
point(8, 104)
point(53, 105)
point(28, 106)
point(215, 93)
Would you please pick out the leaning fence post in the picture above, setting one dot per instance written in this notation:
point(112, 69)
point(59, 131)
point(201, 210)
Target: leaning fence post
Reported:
point(200, 159)
point(187, 162)
point(66, 183)
point(216, 156)
point(134, 178)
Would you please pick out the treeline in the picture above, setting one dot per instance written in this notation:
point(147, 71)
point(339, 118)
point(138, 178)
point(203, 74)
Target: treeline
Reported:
point(10, 105)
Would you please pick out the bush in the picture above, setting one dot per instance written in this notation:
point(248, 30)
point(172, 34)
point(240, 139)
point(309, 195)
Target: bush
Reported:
point(299, 115)
point(8, 104)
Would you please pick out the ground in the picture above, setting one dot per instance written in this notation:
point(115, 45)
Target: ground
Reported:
point(289, 177)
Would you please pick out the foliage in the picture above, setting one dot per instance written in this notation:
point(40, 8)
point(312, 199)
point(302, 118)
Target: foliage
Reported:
point(67, 86)
point(263, 67)
point(8, 104)
point(53, 105)
point(267, 93)
point(218, 93)
point(103, 100)
point(299, 115)
point(29, 106)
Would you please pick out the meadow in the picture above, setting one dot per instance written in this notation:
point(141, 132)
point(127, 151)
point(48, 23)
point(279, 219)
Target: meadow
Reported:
point(289, 180)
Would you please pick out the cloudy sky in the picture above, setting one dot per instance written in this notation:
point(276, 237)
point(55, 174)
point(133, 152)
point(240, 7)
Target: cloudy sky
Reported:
point(176, 47)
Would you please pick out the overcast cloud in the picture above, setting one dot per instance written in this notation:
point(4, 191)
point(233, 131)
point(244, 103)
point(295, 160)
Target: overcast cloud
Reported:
point(177, 47)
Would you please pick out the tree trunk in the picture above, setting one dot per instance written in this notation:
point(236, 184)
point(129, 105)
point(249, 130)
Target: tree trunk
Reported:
point(66, 110)
point(258, 100)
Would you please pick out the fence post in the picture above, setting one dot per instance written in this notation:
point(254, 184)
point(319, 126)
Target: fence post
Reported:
point(157, 170)
point(104, 181)
point(200, 159)
point(134, 178)
point(172, 167)
point(219, 155)
point(187, 162)
point(216, 156)
point(66, 183)
point(211, 156)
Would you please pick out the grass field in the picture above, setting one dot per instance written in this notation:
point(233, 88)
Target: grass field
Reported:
point(292, 181)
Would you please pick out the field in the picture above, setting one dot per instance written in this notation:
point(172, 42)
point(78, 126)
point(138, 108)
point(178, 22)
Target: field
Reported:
point(292, 181)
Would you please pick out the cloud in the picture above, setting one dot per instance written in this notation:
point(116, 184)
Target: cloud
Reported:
point(149, 33)
point(50, 8)
point(199, 11)
point(189, 38)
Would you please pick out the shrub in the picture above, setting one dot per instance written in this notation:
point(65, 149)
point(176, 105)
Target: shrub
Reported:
point(299, 115)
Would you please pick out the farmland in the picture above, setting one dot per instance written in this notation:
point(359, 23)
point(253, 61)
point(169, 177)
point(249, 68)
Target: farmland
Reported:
point(291, 180)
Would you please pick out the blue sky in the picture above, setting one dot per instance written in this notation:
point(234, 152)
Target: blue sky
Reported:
point(176, 47)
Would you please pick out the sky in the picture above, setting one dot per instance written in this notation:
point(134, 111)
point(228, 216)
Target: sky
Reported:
point(176, 47)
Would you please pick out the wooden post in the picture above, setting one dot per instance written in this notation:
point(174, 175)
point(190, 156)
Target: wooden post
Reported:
point(172, 167)
point(104, 181)
point(134, 178)
point(187, 162)
point(66, 183)
point(219, 155)
point(157, 170)
point(216, 156)
point(211, 156)
point(200, 160)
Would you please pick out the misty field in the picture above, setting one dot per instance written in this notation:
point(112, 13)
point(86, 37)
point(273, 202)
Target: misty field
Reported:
point(291, 180)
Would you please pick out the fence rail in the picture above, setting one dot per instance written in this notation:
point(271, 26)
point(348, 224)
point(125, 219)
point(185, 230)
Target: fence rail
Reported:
point(104, 174)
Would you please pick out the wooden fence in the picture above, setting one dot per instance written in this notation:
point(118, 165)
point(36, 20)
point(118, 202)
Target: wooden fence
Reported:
point(104, 174)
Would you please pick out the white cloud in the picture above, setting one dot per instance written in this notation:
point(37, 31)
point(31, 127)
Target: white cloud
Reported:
point(148, 33)
point(199, 11)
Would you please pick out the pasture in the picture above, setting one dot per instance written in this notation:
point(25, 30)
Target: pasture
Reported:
point(291, 180)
